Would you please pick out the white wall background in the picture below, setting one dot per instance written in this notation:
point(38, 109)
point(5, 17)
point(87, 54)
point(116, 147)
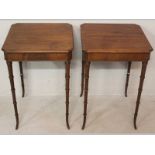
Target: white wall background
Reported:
point(106, 78)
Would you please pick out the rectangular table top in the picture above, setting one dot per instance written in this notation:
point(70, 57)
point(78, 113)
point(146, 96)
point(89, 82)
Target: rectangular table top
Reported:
point(114, 38)
point(39, 38)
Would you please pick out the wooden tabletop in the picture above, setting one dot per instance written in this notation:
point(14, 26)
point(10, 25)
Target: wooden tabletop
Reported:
point(36, 37)
point(114, 38)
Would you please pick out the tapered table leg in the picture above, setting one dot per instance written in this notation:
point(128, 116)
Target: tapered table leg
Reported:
point(67, 63)
point(22, 78)
point(127, 78)
point(87, 66)
point(142, 77)
point(82, 75)
point(11, 77)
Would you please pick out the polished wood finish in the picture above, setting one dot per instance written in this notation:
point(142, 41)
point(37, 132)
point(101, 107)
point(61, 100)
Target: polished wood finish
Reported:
point(38, 42)
point(114, 38)
point(39, 37)
point(113, 42)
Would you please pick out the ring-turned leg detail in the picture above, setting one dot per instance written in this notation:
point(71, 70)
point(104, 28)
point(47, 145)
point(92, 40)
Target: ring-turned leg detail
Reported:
point(67, 63)
point(10, 70)
point(127, 78)
point(82, 75)
point(142, 77)
point(22, 78)
point(87, 66)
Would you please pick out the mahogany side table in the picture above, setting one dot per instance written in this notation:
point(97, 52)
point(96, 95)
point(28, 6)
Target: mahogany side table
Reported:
point(113, 42)
point(38, 42)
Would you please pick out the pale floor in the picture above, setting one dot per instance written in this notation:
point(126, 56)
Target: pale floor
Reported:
point(106, 115)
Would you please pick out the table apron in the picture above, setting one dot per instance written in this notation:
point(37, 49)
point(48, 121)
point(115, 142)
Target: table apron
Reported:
point(117, 57)
point(37, 56)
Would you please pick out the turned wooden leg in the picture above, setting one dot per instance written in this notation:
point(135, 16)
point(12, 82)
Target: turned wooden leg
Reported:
point(127, 78)
point(10, 70)
point(67, 63)
point(87, 66)
point(144, 65)
point(82, 75)
point(22, 78)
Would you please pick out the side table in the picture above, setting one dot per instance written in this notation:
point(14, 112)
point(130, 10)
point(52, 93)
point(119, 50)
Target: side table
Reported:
point(38, 42)
point(113, 42)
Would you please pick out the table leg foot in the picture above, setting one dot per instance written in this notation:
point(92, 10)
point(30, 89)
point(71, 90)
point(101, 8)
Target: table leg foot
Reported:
point(134, 123)
point(67, 121)
point(87, 66)
point(84, 122)
point(22, 78)
point(11, 77)
point(127, 78)
point(142, 77)
point(17, 121)
point(67, 63)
